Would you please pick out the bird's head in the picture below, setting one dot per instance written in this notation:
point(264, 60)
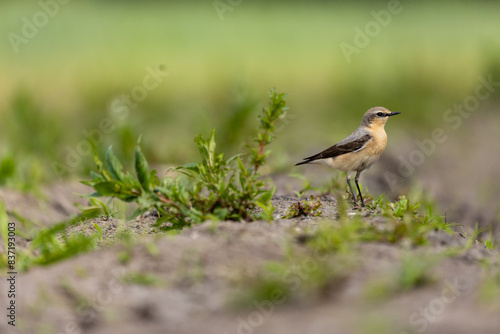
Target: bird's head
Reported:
point(377, 117)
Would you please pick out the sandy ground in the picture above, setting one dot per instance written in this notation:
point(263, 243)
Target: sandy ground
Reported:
point(197, 273)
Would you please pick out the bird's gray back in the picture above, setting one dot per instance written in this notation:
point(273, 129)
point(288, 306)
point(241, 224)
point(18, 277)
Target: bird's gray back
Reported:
point(357, 134)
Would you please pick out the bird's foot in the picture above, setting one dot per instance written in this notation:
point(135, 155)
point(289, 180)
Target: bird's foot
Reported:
point(358, 205)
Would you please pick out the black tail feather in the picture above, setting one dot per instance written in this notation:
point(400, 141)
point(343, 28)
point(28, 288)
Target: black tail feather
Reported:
point(309, 159)
point(306, 161)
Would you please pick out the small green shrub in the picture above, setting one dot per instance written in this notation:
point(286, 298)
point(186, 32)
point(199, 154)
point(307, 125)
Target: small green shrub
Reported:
point(216, 188)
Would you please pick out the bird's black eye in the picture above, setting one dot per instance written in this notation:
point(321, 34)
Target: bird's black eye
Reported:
point(380, 114)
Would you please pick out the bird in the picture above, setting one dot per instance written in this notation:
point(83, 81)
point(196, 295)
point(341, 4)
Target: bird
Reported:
point(358, 151)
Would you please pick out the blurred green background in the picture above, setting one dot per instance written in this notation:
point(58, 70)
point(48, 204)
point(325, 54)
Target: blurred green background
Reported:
point(66, 77)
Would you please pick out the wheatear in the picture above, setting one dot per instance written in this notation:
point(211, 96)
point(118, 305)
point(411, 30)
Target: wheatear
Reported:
point(358, 151)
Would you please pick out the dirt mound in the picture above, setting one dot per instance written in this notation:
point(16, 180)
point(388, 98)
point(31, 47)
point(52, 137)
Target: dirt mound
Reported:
point(188, 283)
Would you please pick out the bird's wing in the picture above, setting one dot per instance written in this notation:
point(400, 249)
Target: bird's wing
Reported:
point(345, 146)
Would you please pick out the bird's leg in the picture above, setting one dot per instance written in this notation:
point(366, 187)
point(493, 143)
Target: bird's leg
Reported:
point(359, 191)
point(352, 192)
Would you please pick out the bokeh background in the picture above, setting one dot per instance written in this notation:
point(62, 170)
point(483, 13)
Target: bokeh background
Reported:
point(65, 67)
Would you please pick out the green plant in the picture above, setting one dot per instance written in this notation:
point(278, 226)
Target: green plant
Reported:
point(139, 278)
point(403, 207)
point(275, 111)
point(268, 285)
point(374, 205)
point(490, 243)
point(99, 230)
point(340, 236)
point(472, 238)
point(407, 223)
point(489, 289)
point(413, 272)
point(309, 207)
point(97, 208)
point(53, 244)
point(5, 256)
point(7, 169)
point(216, 188)
point(298, 278)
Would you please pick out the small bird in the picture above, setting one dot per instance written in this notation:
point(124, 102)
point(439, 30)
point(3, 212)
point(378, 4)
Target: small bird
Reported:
point(358, 151)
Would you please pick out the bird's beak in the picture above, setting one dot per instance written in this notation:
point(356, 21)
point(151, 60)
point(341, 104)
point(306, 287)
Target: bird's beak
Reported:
point(394, 113)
